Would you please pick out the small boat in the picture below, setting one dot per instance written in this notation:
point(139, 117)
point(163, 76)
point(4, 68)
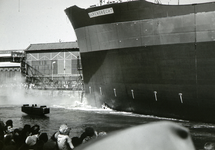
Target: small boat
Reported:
point(35, 110)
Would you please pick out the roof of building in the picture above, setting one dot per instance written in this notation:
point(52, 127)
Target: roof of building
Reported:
point(9, 64)
point(11, 51)
point(5, 55)
point(53, 46)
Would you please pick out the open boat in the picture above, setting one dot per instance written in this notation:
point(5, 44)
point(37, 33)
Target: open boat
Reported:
point(35, 110)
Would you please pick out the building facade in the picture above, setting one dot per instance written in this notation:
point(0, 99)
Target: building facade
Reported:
point(10, 67)
point(54, 65)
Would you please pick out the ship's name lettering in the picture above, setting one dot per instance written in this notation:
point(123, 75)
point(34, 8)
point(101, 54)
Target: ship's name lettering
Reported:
point(102, 12)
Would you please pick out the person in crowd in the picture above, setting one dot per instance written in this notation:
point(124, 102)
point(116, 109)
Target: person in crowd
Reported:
point(9, 144)
point(32, 139)
point(76, 141)
point(25, 133)
point(8, 136)
point(26, 138)
point(2, 130)
point(86, 136)
point(9, 127)
point(1, 145)
point(51, 144)
point(17, 137)
point(43, 138)
point(64, 142)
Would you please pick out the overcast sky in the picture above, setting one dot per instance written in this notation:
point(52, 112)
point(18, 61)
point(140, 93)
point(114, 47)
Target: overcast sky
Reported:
point(25, 22)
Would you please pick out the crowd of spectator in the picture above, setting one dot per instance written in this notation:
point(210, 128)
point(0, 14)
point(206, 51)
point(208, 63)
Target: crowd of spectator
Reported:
point(30, 138)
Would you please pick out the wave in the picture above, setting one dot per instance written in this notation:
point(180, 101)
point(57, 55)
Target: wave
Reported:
point(205, 125)
point(84, 107)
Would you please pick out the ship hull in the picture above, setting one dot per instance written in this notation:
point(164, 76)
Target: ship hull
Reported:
point(153, 65)
point(164, 87)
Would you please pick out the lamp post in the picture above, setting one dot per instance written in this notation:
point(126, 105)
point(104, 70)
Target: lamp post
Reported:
point(53, 69)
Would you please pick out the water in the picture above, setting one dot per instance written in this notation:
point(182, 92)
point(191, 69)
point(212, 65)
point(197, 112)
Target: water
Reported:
point(64, 110)
point(102, 120)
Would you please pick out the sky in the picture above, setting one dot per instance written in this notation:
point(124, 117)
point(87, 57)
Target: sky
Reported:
point(25, 22)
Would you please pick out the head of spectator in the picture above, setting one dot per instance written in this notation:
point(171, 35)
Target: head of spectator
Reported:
point(16, 135)
point(31, 140)
point(43, 137)
point(27, 127)
point(25, 132)
point(9, 126)
point(90, 131)
point(35, 129)
point(88, 134)
point(9, 123)
point(64, 129)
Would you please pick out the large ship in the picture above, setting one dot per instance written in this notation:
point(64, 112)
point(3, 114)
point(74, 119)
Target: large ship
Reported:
point(149, 58)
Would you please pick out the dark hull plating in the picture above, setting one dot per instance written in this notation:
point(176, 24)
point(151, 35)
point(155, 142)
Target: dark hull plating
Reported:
point(149, 59)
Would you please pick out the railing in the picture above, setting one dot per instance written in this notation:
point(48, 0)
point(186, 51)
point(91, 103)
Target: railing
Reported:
point(104, 2)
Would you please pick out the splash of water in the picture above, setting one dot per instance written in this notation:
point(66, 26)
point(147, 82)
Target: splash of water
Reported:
point(17, 93)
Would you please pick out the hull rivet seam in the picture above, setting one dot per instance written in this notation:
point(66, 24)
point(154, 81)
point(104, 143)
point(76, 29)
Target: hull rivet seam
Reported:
point(100, 89)
point(90, 90)
point(114, 90)
point(155, 92)
point(180, 95)
point(132, 92)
